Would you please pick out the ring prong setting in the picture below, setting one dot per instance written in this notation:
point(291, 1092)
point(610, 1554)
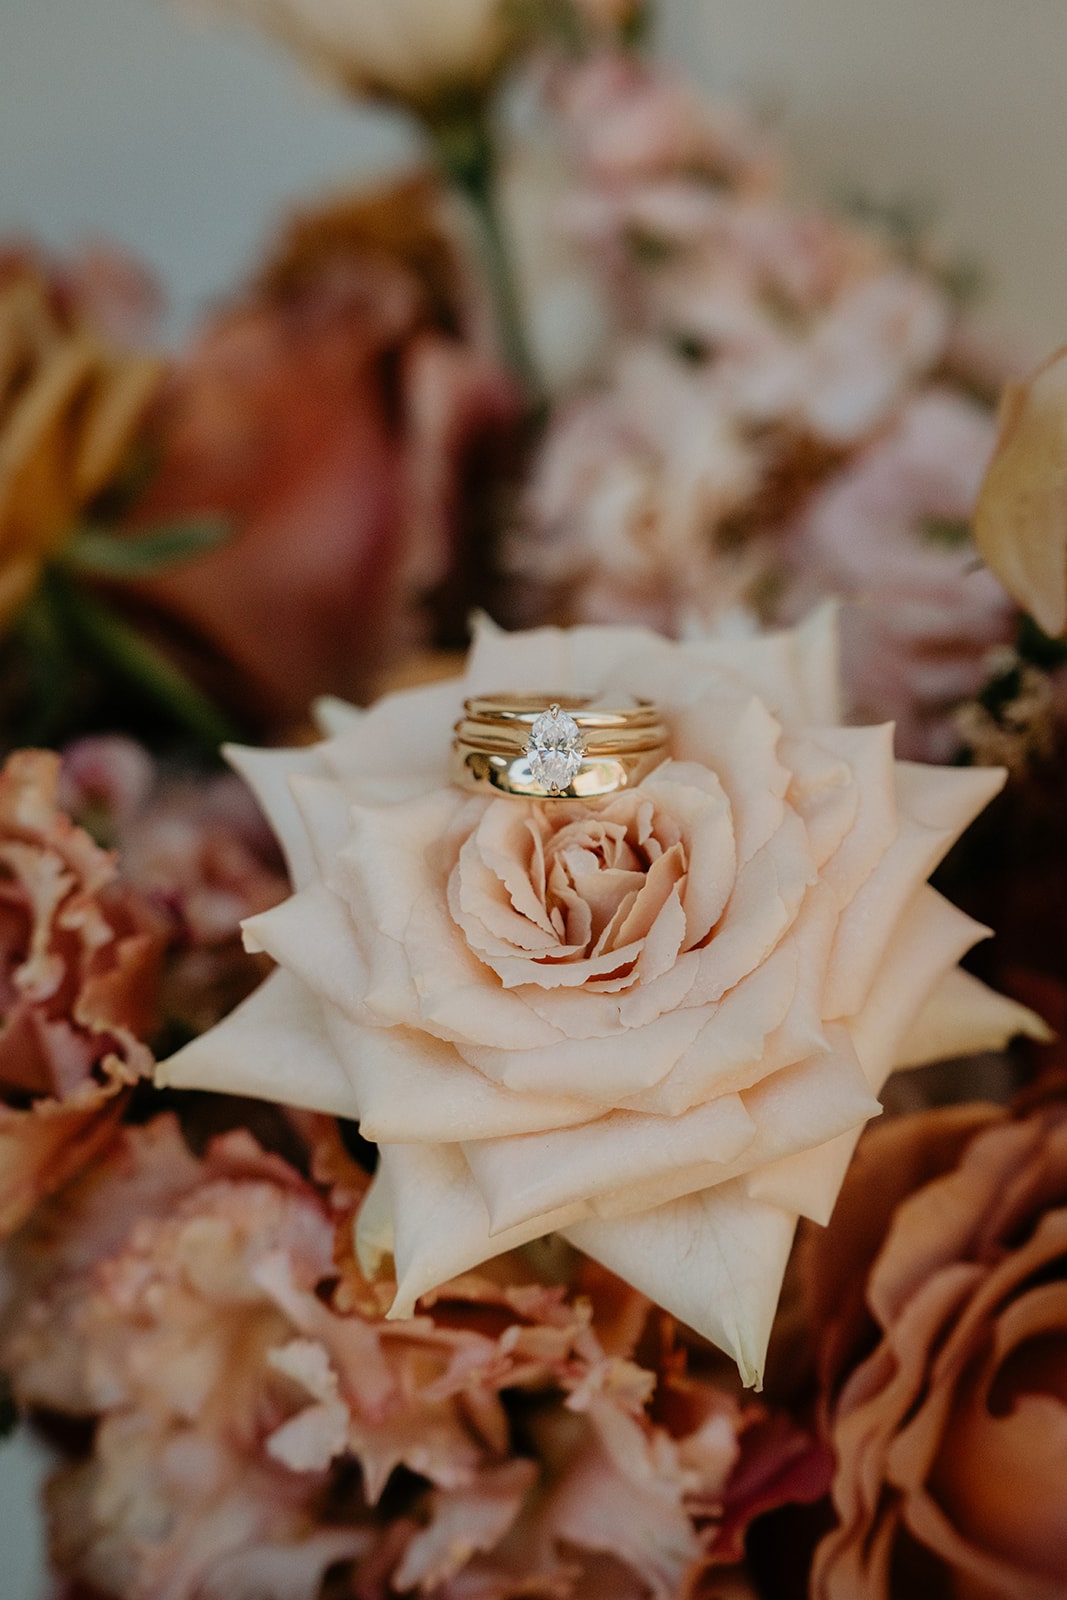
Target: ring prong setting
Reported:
point(555, 749)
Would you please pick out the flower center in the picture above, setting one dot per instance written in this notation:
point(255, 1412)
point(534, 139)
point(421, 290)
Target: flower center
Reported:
point(555, 749)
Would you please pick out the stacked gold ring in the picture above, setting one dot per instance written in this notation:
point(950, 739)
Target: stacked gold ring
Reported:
point(538, 747)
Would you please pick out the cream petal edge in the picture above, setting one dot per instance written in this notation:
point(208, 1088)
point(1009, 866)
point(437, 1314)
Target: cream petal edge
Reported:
point(272, 1047)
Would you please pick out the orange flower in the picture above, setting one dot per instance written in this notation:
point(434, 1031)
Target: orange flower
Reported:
point(71, 404)
point(939, 1299)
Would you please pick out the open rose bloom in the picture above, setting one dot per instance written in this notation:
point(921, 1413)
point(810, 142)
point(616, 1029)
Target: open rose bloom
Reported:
point(656, 1023)
point(941, 1298)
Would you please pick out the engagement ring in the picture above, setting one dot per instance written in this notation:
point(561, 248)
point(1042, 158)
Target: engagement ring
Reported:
point(538, 747)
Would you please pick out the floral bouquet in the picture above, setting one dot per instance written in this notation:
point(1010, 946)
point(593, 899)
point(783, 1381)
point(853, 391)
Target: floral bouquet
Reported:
point(636, 645)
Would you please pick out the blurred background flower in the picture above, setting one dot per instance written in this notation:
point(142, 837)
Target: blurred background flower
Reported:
point(939, 1292)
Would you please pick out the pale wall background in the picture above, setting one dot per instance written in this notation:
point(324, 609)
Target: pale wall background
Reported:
point(119, 117)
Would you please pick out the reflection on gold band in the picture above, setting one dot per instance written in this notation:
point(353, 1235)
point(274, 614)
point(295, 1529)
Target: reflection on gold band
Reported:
point(615, 747)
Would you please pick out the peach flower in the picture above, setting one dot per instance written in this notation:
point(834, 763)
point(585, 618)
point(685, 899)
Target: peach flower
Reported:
point(193, 1310)
point(940, 1300)
point(79, 979)
point(655, 1024)
point(1021, 519)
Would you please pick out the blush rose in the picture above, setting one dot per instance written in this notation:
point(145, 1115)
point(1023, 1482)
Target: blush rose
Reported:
point(656, 1024)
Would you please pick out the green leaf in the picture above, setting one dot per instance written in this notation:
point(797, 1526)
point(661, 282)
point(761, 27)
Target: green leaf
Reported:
point(95, 552)
point(130, 656)
point(949, 532)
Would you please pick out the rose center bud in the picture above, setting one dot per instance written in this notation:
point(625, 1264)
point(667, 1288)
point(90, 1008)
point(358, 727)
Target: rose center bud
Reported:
point(602, 887)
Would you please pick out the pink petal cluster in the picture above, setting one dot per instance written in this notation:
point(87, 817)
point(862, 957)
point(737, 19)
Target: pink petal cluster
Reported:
point(890, 535)
point(817, 373)
point(79, 978)
point(198, 850)
point(940, 1296)
point(628, 494)
point(259, 1422)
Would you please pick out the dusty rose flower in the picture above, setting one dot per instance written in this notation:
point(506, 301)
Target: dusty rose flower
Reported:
point(628, 497)
point(939, 1296)
point(346, 435)
point(198, 850)
point(656, 1024)
point(79, 978)
point(1021, 520)
point(890, 535)
point(191, 1309)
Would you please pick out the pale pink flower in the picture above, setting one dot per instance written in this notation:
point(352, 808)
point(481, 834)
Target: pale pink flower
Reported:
point(79, 981)
point(629, 494)
point(890, 536)
point(630, 119)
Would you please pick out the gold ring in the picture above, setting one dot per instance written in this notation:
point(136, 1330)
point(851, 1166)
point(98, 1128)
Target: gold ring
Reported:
point(539, 747)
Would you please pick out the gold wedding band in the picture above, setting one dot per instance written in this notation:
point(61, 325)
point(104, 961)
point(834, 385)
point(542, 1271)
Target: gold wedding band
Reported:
point(540, 747)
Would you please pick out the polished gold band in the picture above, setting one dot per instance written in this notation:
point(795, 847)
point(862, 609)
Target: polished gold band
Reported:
point(537, 747)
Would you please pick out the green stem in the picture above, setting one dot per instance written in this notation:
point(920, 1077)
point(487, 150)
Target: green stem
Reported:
point(467, 152)
point(140, 663)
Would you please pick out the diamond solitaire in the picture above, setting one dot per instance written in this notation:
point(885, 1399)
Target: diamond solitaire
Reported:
point(509, 744)
point(555, 750)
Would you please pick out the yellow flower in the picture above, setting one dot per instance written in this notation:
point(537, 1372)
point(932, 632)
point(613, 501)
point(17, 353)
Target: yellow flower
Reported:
point(69, 407)
point(1020, 522)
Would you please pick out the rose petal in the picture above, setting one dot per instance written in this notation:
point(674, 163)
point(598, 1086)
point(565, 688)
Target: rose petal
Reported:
point(272, 1047)
point(715, 1260)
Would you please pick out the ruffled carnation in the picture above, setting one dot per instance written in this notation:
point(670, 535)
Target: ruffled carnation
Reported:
point(656, 1023)
point(80, 959)
point(939, 1293)
point(198, 850)
point(238, 1375)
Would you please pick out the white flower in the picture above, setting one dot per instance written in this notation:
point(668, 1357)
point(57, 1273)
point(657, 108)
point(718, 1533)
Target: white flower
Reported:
point(657, 1025)
point(415, 51)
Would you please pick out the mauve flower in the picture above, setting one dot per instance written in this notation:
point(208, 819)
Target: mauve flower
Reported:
point(197, 849)
point(236, 1373)
point(890, 534)
point(1021, 520)
point(419, 52)
point(345, 434)
point(656, 1024)
point(939, 1300)
point(628, 496)
point(79, 979)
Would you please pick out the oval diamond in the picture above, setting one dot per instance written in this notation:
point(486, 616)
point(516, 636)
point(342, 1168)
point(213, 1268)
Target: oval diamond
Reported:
point(555, 750)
